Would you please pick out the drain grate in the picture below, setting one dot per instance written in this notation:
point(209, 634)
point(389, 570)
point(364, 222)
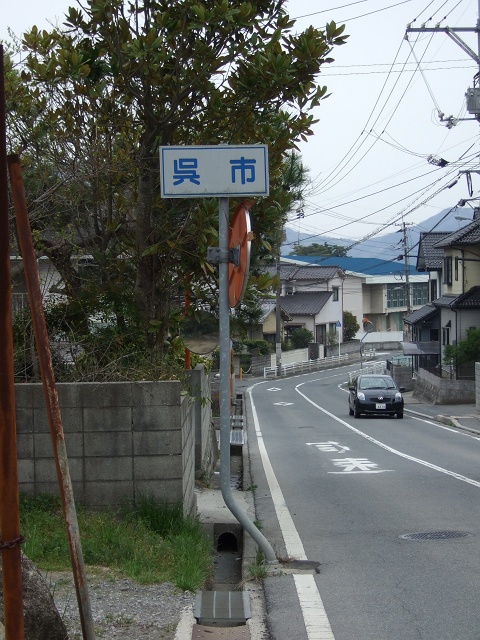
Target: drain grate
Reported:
point(435, 535)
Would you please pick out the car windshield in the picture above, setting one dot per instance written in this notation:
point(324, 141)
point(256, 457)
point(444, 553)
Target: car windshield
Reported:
point(376, 383)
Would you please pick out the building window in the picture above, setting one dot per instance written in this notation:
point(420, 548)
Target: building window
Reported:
point(419, 293)
point(447, 270)
point(335, 296)
point(433, 290)
point(445, 335)
point(396, 296)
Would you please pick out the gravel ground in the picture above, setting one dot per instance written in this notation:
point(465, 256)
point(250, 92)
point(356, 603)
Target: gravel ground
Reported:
point(122, 609)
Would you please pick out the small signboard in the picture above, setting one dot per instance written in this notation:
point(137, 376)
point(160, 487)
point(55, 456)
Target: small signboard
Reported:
point(220, 171)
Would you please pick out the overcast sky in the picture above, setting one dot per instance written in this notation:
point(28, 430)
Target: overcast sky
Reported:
point(368, 157)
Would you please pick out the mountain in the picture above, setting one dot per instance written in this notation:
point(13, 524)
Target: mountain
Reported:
point(388, 244)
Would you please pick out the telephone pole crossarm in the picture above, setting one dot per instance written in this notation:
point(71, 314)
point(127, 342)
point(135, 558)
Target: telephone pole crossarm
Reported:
point(451, 33)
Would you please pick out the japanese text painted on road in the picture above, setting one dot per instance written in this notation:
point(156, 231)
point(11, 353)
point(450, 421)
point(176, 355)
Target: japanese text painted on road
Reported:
point(214, 171)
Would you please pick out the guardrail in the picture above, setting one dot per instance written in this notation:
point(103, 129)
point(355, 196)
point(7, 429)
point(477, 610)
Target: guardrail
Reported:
point(303, 367)
point(373, 367)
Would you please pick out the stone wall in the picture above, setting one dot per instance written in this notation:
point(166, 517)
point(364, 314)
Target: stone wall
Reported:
point(441, 391)
point(123, 440)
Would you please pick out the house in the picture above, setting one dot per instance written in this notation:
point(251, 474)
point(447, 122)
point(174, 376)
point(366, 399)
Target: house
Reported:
point(312, 298)
point(430, 260)
point(453, 262)
point(266, 329)
point(376, 289)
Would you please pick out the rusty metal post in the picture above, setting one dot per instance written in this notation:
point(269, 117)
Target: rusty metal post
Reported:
point(9, 512)
point(51, 396)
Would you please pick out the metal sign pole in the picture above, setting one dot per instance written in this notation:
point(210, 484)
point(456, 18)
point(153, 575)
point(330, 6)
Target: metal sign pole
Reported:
point(225, 400)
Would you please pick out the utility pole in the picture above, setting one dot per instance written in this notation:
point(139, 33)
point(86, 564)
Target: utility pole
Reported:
point(473, 94)
point(407, 270)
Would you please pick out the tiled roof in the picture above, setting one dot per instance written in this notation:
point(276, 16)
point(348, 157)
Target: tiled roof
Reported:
point(468, 235)
point(430, 257)
point(468, 300)
point(267, 306)
point(288, 273)
point(421, 315)
point(317, 273)
point(305, 303)
point(444, 301)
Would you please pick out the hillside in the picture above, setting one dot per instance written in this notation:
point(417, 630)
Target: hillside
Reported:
point(387, 244)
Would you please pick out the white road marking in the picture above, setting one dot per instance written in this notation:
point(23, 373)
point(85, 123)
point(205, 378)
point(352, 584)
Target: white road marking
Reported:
point(283, 404)
point(435, 467)
point(315, 618)
point(316, 621)
point(435, 424)
point(328, 446)
point(356, 465)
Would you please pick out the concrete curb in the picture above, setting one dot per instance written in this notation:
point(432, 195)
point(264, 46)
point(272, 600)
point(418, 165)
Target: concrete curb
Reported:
point(450, 421)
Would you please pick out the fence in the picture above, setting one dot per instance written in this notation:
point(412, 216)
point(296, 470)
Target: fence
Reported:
point(304, 367)
point(373, 367)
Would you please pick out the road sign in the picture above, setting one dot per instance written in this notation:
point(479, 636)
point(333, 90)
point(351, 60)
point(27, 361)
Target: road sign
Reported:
point(219, 171)
point(338, 323)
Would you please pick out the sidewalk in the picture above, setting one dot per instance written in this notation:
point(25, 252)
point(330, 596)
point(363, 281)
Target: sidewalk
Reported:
point(461, 416)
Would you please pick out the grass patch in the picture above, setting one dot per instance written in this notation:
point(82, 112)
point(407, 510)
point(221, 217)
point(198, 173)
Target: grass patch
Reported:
point(147, 542)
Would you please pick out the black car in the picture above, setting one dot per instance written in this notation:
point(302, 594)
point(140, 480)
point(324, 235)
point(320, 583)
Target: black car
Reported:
point(375, 394)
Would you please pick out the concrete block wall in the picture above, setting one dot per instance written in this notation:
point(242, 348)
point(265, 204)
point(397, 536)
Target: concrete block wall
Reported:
point(477, 386)
point(206, 449)
point(123, 440)
point(402, 376)
point(440, 391)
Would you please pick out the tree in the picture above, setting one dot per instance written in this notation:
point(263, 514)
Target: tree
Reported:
point(300, 338)
point(121, 79)
point(315, 249)
point(466, 351)
point(350, 326)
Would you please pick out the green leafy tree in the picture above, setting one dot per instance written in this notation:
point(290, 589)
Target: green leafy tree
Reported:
point(315, 249)
point(104, 92)
point(300, 338)
point(466, 351)
point(350, 326)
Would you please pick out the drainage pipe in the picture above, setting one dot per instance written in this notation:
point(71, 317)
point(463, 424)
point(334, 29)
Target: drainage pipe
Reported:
point(225, 398)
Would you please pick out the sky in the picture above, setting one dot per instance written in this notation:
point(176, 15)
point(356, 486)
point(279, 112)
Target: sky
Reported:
point(368, 157)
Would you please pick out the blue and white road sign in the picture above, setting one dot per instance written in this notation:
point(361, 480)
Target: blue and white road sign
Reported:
point(214, 171)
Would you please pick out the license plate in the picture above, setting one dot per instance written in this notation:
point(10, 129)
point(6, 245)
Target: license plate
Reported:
point(380, 406)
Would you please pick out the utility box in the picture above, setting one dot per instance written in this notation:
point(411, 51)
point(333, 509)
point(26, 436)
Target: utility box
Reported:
point(473, 100)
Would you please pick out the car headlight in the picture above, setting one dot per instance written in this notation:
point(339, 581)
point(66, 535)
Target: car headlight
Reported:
point(360, 395)
point(398, 396)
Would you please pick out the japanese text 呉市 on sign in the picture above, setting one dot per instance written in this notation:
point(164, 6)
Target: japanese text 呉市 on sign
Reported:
point(210, 170)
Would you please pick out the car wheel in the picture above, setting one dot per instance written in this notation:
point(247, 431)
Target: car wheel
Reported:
point(400, 414)
point(356, 413)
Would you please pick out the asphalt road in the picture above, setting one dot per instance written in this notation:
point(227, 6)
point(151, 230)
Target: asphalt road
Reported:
point(344, 492)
